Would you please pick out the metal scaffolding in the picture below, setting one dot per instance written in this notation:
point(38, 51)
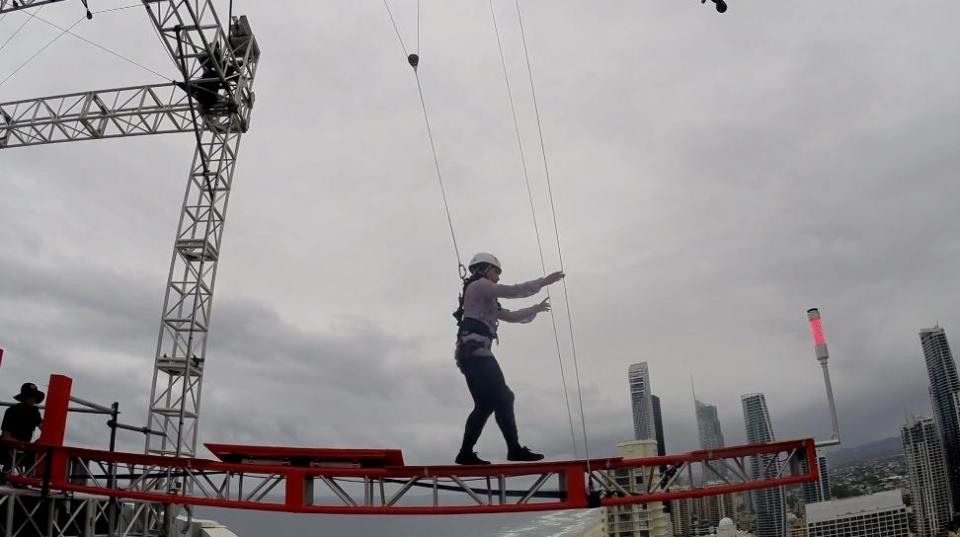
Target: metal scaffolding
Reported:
point(218, 64)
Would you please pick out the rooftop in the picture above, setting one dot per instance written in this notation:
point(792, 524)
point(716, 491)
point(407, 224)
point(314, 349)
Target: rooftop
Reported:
point(881, 501)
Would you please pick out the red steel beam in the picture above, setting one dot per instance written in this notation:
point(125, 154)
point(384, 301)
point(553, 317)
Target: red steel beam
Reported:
point(296, 480)
point(574, 477)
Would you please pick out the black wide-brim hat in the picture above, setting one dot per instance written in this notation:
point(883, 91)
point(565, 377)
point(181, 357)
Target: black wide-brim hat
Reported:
point(30, 389)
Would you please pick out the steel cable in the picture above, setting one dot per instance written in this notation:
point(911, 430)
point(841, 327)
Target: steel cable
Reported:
point(433, 146)
point(553, 209)
point(533, 213)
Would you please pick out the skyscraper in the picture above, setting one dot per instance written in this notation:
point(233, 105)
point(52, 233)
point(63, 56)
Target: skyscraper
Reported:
point(945, 399)
point(927, 472)
point(713, 509)
point(818, 491)
point(768, 504)
point(708, 425)
point(824, 477)
point(658, 426)
point(641, 400)
point(643, 520)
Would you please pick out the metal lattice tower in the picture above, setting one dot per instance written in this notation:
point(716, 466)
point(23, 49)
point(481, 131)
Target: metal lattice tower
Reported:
point(219, 68)
point(218, 65)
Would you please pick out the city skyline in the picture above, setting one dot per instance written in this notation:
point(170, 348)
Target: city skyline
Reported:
point(707, 190)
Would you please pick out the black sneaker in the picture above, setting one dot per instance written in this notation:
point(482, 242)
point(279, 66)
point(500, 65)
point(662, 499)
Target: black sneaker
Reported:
point(524, 455)
point(470, 459)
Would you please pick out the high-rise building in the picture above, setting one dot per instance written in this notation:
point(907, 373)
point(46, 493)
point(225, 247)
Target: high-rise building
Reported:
point(818, 491)
point(696, 517)
point(824, 477)
point(641, 400)
point(681, 515)
point(768, 504)
point(710, 510)
point(878, 515)
point(644, 520)
point(658, 426)
point(713, 509)
point(927, 473)
point(708, 425)
point(945, 399)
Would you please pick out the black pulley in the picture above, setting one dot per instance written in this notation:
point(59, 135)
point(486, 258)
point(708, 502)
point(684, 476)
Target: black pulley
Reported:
point(721, 5)
point(414, 60)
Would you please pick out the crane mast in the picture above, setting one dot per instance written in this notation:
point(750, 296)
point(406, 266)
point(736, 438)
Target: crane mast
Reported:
point(218, 69)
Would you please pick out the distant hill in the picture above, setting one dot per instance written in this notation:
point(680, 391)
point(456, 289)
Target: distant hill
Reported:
point(888, 447)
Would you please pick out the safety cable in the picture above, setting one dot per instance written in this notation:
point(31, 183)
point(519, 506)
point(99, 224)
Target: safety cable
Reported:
point(31, 16)
point(103, 48)
point(536, 226)
point(37, 53)
point(414, 60)
point(395, 27)
point(556, 228)
point(436, 163)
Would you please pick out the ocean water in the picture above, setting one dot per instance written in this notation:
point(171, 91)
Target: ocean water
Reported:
point(548, 524)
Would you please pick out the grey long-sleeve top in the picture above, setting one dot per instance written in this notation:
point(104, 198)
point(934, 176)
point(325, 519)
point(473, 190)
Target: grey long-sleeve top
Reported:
point(480, 302)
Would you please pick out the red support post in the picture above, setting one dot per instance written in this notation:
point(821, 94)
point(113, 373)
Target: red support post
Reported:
point(55, 425)
point(576, 488)
point(55, 415)
point(296, 489)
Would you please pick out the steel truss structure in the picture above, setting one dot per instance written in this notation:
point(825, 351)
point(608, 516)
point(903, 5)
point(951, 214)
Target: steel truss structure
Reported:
point(218, 64)
point(365, 482)
point(28, 513)
point(419, 490)
point(7, 6)
point(156, 109)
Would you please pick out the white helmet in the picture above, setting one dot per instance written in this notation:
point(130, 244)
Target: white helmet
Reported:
point(484, 257)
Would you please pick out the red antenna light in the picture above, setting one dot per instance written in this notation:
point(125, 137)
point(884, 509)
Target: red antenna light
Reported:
point(816, 326)
point(819, 341)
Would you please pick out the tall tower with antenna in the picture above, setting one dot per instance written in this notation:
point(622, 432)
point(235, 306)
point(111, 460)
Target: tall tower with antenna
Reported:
point(823, 356)
point(820, 491)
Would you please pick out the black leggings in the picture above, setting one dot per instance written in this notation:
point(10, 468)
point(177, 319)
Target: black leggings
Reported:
point(490, 396)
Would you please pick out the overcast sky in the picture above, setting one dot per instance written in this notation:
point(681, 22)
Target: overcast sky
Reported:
point(714, 176)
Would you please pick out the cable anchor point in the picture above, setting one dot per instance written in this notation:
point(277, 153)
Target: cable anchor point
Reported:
point(721, 5)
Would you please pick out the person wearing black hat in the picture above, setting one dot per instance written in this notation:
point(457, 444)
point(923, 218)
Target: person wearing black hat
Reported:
point(20, 420)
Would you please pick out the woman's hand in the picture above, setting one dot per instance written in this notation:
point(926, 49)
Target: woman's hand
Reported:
point(544, 306)
point(555, 277)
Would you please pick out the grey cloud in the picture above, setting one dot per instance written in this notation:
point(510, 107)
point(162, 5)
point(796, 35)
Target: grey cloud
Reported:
point(715, 176)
